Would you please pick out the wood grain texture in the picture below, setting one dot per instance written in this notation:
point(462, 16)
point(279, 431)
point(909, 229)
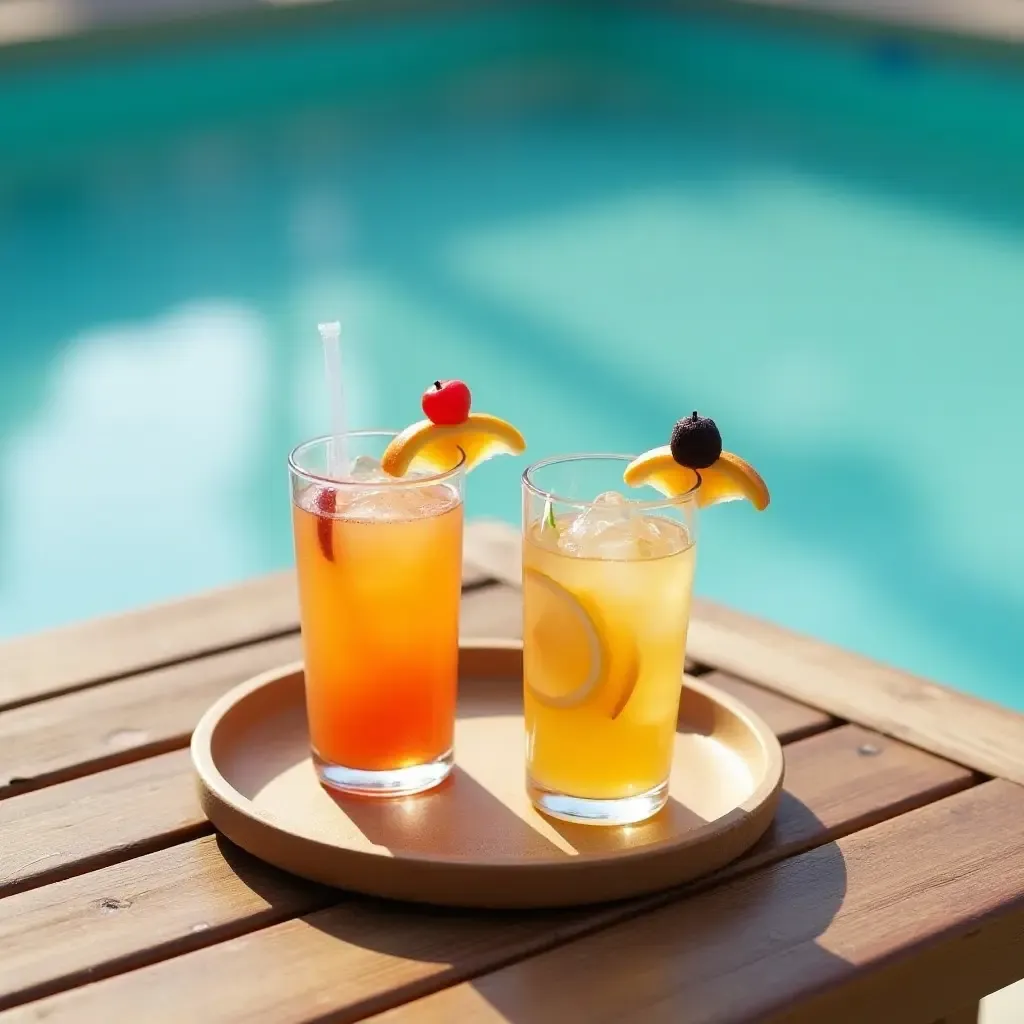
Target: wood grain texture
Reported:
point(150, 907)
point(87, 823)
point(788, 719)
point(363, 956)
point(107, 725)
point(847, 779)
point(338, 964)
point(75, 656)
point(100, 650)
point(982, 736)
point(894, 923)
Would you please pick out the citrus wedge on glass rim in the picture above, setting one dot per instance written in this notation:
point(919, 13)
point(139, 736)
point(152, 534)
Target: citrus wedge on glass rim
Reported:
point(693, 460)
point(568, 663)
point(439, 447)
point(728, 478)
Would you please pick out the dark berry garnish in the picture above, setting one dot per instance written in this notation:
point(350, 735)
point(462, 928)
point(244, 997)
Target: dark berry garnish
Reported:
point(696, 441)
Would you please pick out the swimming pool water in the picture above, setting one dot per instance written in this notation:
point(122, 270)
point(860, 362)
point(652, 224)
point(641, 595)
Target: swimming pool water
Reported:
point(600, 227)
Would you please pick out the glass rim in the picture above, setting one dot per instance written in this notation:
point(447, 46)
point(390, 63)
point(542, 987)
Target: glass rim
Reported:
point(320, 478)
point(641, 503)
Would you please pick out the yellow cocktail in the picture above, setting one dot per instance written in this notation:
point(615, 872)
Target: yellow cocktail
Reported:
point(606, 602)
point(607, 579)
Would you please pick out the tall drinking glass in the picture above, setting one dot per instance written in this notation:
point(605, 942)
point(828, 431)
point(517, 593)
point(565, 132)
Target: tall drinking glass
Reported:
point(607, 581)
point(379, 565)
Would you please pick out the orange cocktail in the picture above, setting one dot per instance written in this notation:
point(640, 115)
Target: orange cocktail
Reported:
point(379, 564)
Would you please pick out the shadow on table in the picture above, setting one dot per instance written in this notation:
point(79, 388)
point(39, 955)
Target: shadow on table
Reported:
point(463, 819)
point(289, 894)
point(707, 951)
point(459, 819)
point(737, 951)
point(595, 840)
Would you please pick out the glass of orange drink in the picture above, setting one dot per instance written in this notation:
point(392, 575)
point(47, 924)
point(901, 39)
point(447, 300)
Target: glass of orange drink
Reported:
point(378, 548)
point(379, 564)
point(609, 545)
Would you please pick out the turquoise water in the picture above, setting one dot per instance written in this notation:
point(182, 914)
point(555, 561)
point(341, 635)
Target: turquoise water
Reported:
point(600, 224)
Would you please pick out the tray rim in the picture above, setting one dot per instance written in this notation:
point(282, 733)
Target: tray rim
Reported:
point(217, 794)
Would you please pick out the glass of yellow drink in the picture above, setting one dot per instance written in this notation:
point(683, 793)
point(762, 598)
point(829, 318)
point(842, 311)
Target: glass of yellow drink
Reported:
point(607, 582)
point(379, 563)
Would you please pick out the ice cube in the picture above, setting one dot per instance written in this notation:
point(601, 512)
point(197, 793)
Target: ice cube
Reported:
point(612, 503)
point(583, 533)
point(612, 528)
point(365, 467)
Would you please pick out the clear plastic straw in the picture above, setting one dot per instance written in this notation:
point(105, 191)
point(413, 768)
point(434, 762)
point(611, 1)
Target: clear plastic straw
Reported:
point(337, 455)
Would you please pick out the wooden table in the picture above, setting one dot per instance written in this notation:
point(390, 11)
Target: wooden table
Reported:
point(891, 887)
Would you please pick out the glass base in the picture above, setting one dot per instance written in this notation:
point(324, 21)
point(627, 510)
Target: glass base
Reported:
point(395, 782)
point(627, 810)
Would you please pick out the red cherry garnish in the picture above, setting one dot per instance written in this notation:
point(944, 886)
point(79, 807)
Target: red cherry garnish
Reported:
point(326, 505)
point(446, 403)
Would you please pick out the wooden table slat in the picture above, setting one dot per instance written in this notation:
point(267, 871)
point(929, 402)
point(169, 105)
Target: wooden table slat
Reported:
point(86, 653)
point(849, 778)
point(380, 954)
point(110, 724)
point(789, 719)
point(983, 736)
point(904, 921)
point(99, 819)
point(148, 908)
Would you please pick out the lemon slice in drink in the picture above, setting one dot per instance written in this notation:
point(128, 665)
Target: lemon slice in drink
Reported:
point(437, 447)
point(567, 663)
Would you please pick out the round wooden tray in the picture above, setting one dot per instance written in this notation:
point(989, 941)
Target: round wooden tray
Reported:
point(476, 840)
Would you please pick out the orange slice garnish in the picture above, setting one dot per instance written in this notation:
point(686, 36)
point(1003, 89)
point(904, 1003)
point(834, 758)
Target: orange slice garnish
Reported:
point(426, 445)
point(728, 478)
